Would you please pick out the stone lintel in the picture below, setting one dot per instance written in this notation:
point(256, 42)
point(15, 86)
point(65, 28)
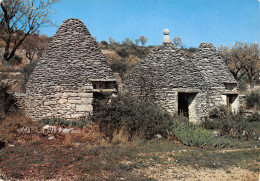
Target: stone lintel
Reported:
point(105, 90)
point(103, 80)
point(189, 90)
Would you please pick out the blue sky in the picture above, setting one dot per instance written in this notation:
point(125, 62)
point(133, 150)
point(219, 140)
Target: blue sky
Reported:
point(195, 21)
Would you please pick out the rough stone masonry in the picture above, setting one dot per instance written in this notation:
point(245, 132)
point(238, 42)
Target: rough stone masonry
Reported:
point(63, 83)
point(183, 85)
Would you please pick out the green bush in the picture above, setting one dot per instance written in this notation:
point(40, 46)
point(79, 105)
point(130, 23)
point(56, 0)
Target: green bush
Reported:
point(119, 66)
point(122, 52)
point(136, 117)
point(233, 125)
point(254, 118)
point(194, 135)
point(82, 122)
point(253, 100)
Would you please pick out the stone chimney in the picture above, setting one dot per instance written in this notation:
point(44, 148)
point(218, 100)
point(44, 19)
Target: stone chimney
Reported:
point(166, 38)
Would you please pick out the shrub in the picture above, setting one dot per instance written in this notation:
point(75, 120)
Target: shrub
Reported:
point(253, 100)
point(233, 125)
point(119, 66)
point(104, 45)
point(103, 42)
point(122, 52)
point(254, 118)
point(192, 49)
point(194, 135)
point(136, 117)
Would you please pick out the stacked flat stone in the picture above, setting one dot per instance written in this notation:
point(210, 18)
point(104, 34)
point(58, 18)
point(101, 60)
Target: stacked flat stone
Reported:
point(166, 71)
point(212, 66)
point(60, 85)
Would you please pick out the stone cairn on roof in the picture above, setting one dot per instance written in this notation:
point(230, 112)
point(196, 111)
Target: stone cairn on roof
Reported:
point(166, 38)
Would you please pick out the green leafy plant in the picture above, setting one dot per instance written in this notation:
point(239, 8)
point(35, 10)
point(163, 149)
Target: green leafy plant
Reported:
point(233, 125)
point(122, 52)
point(136, 117)
point(80, 123)
point(253, 100)
point(119, 66)
point(194, 135)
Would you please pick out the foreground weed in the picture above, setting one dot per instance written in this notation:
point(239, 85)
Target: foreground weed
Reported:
point(214, 159)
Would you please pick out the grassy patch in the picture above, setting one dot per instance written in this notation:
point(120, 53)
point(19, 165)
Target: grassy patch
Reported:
point(114, 161)
point(194, 135)
point(84, 161)
point(216, 159)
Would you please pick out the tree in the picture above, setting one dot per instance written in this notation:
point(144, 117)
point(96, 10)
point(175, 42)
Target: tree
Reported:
point(21, 18)
point(34, 45)
point(143, 39)
point(127, 42)
point(242, 59)
point(177, 41)
point(112, 41)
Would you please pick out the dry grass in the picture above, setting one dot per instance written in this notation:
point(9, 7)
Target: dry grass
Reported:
point(91, 135)
point(133, 60)
point(163, 159)
point(111, 55)
point(10, 124)
point(68, 140)
point(120, 137)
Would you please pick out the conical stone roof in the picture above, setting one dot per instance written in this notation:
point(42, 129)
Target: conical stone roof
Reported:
point(73, 56)
point(61, 84)
point(168, 67)
point(212, 65)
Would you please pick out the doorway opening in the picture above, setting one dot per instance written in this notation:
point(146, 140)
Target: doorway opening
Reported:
point(2, 145)
point(232, 102)
point(187, 105)
point(183, 106)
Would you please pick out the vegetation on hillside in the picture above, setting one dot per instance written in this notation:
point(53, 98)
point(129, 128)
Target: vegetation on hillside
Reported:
point(233, 125)
point(19, 19)
point(243, 61)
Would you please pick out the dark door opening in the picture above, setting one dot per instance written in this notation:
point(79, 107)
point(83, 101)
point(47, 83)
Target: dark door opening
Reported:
point(187, 105)
point(230, 101)
point(183, 105)
point(2, 145)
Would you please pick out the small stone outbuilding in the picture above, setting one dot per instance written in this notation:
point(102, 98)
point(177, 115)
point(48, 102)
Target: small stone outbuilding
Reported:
point(69, 76)
point(183, 85)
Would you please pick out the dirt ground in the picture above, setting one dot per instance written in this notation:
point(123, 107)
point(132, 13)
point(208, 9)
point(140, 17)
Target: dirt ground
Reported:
point(168, 173)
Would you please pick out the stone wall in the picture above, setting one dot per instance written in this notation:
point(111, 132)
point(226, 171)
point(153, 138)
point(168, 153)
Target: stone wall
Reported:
point(61, 84)
point(65, 101)
point(166, 71)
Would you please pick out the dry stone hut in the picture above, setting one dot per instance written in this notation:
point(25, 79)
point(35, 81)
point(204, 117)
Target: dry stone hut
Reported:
point(69, 76)
point(188, 86)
